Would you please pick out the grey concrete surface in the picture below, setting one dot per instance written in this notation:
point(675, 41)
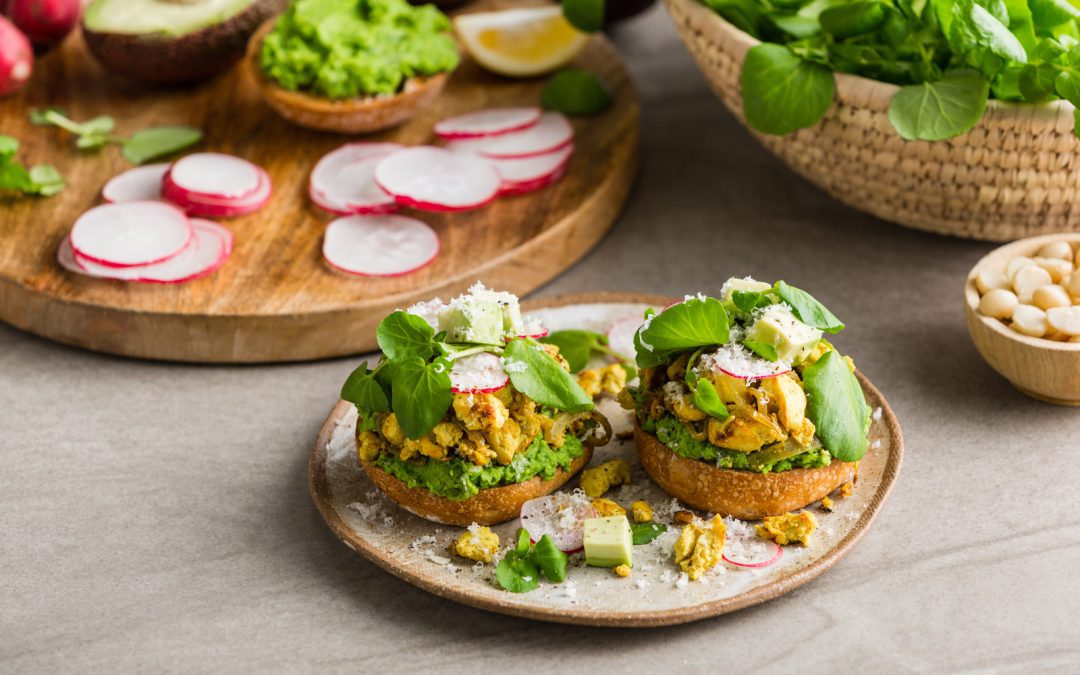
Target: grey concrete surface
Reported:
point(155, 517)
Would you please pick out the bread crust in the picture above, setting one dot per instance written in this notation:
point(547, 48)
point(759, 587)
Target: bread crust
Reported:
point(746, 495)
point(489, 506)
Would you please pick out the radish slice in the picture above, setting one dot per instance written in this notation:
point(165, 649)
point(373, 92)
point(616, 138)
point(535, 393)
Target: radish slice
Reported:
point(207, 252)
point(738, 361)
point(561, 516)
point(746, 551)
point(436, 179)
point(490, 122)
point(343, 181)
point(523, 187)
point(213, 207)
point(215, 175)
point(529, 169)
point(142, 183)
point(621, 336)
point(551, 133)
point(379, 246)
point(65, 257)
point(533, 329)
point(478, 374)
point(131, 233)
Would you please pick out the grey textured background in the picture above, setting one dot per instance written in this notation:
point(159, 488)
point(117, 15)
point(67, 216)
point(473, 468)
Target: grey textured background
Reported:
point(155, 517)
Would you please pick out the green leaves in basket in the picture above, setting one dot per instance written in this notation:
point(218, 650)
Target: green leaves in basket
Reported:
point(948, 57)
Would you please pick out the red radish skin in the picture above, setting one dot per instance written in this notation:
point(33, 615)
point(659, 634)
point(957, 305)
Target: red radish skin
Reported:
point(16, 58)
point(207, 252)
point(143, 183)
point(478, 374)
point(436, 179)
point(551, 133)
point(65, 257)
point(772, 560)
point(535, 168)
point(509, 189)
point(343, 181)
point(131, 234)
point(379, 246)
point(486, 123)
point(210, 207)
point(561, 516)
point(215, 176)
point(44, 22)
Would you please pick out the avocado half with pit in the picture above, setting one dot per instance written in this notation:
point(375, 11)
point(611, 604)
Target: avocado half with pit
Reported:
point(172, 41)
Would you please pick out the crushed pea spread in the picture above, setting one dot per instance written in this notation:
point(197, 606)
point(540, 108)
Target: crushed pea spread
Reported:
point(347, 48)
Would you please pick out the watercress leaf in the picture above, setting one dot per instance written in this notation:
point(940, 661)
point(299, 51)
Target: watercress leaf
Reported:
point(934, 111)
point(747, 301)
point(403, 335)
point(576, 346)
point(837, 407)
point(695, 322)
point(708, 401)
point(643, 533)
point(102, 125)
point(9, 145)
point(45, 116)
point(782, 92)
point(854, 18)
point(1021, 24)
point(585, 15)
point(421, 395)
point(796, 26)
point(807, 308)
point(550, 560)
point(691, 377)
point(91, 142)
point(524, 540)
point(576, 92)
point(746, 15)
point(362, 390)
point(645, 356)
point(516, 573)
point(1037, 82)
point(46, 179)
point(14, 177)
point(765, 350)
point(1067, 85)
point(147, 144)
point(1047, 14)
point(976, 31)
point(536, 374)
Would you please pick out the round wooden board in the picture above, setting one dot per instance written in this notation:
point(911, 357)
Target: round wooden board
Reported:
point(275, 299)
point(405, 545)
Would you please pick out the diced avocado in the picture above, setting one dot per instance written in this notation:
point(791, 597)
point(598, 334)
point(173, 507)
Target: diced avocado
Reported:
point(511, 311)
point(472, 319)
point(747, 285)
point(793, 339)
point(608, 542)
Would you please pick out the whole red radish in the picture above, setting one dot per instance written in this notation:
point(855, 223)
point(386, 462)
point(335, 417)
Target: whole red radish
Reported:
point(44, 22)
point(16, 58)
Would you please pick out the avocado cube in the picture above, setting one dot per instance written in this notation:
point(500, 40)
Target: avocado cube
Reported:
point(471, 319)
point(793, 339)
point(608, 542)
point(746, 285)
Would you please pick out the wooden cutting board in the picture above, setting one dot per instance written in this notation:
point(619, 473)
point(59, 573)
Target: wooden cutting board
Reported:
point(275, 299)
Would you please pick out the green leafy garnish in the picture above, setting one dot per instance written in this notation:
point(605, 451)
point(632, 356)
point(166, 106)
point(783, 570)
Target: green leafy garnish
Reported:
point(402, 335)
point(643, 533)
point(708, 401)
point(517, 573)
point(536, 374)
point(837, 407)
point(765, 350)
point(576, 92)
point(695, 322)
point(41, 180)
point(149, 144)
point(579, 346)
point(782, 92)
point(362, 390)
point(142, 146)
point(421, 395)
point(934, 111)
point(551, 561)
point(519, 570)
point(807, 309)
point(585, 15)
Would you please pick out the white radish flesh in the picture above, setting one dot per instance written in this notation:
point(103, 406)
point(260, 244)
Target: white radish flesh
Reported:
point(737, 361)
point(436, 179)
point(381, 246)
point(490, 122)
point(143, 183)
point(207, 252)
point(561, 516)
point(211, 207)
point(998, 303)
point(751, 552)
point(216, 175)
point(131, 233)
point(621, 336)
point(343, 181)
point(65, 257)
point(533, 168)
point(552, 132)
point(478, 374)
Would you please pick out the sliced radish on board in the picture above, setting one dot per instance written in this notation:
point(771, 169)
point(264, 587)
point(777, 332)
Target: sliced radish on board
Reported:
point(534, 329)
point(65, 257)
point(131, 233)
point(379, 246)
point(561, 516)
point(533, 168)
point(490, 122)
point(552, 132)
point(215, 175)
point(748, 551)
point(343, 181)
point(523, 187)
point(478, 374)
point(738, 361)
point(436, 179)
point(214, 207)
point(207, 252)
point(143, 183)
point(621, 336)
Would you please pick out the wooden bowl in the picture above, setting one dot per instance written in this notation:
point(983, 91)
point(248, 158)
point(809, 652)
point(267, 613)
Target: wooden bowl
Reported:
point(348, 116)
point(1011, 176)
point(1044, 369)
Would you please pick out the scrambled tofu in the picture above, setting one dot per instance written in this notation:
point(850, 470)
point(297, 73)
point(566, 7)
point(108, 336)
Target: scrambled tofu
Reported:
point(788, 528)
point(827, 503)
point(610, 380)
point(599, 479)
point(622, 570)
point(607, 508)
point(700, 546)
point(641, 511)
point(477, 543)
point(846, 489)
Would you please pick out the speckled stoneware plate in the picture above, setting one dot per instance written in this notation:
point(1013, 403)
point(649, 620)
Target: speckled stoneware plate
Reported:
point(656, 593)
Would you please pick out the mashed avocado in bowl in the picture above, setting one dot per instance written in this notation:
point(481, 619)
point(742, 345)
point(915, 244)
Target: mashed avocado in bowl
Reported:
point(342, 49)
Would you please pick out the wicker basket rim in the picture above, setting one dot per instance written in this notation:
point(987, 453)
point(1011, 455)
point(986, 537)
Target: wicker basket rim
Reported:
point(846, 84)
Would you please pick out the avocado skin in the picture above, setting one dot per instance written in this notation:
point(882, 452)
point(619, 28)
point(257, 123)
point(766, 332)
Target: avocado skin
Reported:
point(187, 58)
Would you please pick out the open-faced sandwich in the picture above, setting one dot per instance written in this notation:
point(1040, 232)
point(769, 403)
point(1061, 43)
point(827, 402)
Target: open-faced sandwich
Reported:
point(467, 416)
point(743, 408)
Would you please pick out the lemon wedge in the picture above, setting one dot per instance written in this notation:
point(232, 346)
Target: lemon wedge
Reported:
point(520, 42)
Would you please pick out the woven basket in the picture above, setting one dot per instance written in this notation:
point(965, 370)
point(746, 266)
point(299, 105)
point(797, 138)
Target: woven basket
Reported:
point(1011, 176)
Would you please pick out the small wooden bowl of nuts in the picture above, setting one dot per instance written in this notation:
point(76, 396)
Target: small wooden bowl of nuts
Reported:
point(1022, 303)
